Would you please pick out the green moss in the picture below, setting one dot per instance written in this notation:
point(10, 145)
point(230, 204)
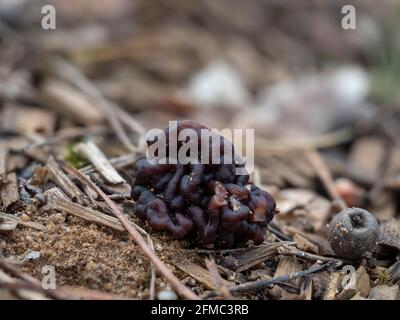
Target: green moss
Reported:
point(383, 278)
point(384, 65)
point(385, 77)
point(72, 157)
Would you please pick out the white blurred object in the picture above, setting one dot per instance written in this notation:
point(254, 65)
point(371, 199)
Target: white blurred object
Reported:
point(31, 255)
point(349, 84)
point(310, 105)
point(218, 85)
point(167, 295)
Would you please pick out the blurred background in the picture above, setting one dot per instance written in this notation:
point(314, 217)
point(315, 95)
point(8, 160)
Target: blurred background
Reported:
point(282, 67)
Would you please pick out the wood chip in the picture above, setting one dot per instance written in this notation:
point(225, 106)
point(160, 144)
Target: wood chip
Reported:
point(305, 244)
point(359, 283)
point(394, 273)
point(320, 282)
point(363, 284)
point(389, 234)
point(254, 256)
point(92, 153)
point(201, 275)
point(9, 193)
point(57, 200)
point(369, 166)
point(306, 289)
point(286, 265)
point(39, 176)
point(384, 293)
point(15, 220)
point(63, 182)
point(322, 243)
point(332, 286)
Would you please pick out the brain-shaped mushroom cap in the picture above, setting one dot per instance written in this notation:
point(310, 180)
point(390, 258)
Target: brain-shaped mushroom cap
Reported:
point(203, 201)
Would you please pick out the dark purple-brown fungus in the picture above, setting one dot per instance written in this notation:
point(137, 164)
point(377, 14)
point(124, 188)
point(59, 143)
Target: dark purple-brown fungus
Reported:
point(205, 202)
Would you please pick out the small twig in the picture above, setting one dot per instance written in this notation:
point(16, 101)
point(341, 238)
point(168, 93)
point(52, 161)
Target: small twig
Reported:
point(325, 176)
point(56, 200)
point(137, 237)
point(262, 284)
point(218, 280)
point(66, 293)
point(97, 180)
point(6, 280)
point(34, 283)
point(152, 288)
point(292, 251)
point(223, 251)
point(23, 289)
point(62, 181)
point(28, 224)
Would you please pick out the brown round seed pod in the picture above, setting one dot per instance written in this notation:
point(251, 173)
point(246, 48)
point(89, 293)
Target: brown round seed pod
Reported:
point(352, 233)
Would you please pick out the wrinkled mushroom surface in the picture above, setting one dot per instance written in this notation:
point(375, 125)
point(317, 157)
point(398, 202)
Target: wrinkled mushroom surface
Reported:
point(208, 203)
